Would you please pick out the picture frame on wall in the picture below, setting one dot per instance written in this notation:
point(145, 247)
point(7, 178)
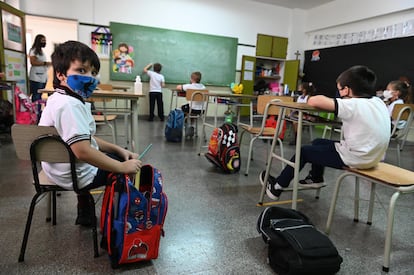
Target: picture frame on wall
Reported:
point(12, 31)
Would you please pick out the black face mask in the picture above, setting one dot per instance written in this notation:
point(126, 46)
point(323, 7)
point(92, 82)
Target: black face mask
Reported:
point(43, 44)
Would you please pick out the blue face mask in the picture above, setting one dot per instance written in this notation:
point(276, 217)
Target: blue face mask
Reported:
point(82, 85)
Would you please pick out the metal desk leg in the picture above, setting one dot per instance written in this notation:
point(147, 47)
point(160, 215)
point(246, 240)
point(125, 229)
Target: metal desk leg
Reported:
point(297, 161)
point(134, 125)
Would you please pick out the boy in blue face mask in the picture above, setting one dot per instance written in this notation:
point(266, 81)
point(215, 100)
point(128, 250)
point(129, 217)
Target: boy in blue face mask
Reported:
point(75, 68)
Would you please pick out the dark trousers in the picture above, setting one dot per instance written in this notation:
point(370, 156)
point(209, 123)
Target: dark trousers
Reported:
point(156, 96)
point(320, 153)
point(101, 178)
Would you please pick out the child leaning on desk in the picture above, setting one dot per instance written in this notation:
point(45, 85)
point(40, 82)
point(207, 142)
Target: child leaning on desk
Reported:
point(364, 142)
point(75, 68)
point(196, 107)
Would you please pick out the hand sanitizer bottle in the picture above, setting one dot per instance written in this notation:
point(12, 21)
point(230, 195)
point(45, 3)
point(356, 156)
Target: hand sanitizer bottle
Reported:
point(138, 85)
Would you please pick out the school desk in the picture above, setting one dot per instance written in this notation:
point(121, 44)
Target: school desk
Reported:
point(133, 98)
point(301, 109)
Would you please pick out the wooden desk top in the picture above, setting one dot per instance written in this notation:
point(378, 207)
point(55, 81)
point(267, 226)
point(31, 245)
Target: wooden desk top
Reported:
point(116, 94)
point(223, 94)
point(104, 93)
point(119, 87)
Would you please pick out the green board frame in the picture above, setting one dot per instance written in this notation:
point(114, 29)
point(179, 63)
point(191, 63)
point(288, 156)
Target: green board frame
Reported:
point(179, 52)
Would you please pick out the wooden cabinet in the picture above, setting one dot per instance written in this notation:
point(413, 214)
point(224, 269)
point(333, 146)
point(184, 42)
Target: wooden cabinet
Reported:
point(260, 73)
point(271, 46)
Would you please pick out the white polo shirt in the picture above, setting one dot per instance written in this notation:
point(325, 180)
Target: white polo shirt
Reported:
point(74, 122)
point(366, 128)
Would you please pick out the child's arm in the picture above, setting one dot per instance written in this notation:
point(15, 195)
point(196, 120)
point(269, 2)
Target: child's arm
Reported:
point(147, 67)
point(322, 102)
point(84, 152)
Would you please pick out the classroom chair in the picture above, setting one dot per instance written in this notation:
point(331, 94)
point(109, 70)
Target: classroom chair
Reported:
point(198, 96)
point(402, 113)
point(398, 179)
point(265, 107)
point(42, 143)
point(101, 113)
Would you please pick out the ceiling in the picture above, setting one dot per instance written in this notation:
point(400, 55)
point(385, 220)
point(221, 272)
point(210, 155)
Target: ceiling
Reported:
point(295, 4)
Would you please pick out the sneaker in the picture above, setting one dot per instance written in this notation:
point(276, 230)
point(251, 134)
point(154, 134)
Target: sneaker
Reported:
point(311, 182)
point(271, 191)
point(271, 180)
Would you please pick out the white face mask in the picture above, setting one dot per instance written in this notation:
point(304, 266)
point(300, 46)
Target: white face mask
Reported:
point(387, 94)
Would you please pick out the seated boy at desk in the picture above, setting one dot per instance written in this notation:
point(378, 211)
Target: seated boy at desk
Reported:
point(76, 66)
point(196, 107)
point(365, 127)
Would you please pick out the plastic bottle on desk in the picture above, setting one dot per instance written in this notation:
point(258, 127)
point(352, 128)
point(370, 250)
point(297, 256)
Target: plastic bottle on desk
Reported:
point(138, 85)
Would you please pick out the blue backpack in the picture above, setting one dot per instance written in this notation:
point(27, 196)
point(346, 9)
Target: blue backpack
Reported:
point(132, 219)
point(174, 126)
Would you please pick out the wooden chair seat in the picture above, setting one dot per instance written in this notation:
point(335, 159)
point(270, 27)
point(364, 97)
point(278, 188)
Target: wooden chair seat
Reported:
point(103, 118)
point(267, 131)
point(397, 178)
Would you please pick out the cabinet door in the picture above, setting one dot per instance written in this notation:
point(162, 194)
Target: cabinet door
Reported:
point(279, 47)
point(248, 71)
point(290, 75)
point(264, 45)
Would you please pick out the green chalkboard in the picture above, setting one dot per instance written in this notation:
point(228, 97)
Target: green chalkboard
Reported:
point(179, 52)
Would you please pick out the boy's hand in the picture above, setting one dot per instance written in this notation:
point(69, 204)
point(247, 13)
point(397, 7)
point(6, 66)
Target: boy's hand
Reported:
point(131, 166)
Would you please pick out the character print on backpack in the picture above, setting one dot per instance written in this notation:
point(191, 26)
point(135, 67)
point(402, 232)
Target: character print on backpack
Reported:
point(223, 149)
point(132, 219)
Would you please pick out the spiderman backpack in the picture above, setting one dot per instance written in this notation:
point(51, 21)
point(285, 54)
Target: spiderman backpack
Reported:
point(132, 216)
point(223, 148)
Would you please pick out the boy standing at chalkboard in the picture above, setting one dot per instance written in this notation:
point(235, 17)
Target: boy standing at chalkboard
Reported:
point(155, 93)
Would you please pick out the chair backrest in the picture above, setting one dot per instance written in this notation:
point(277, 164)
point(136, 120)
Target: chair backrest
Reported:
point(402, 112)
point(262, 101)
point(404, 109)
point(24, 135)
point(42, 143)
point(105, 86)
point(197, 95)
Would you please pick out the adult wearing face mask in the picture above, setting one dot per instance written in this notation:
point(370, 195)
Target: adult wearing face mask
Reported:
point(38, 69)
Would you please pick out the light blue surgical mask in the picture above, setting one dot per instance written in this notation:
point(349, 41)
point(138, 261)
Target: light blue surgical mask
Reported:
point(82, 85)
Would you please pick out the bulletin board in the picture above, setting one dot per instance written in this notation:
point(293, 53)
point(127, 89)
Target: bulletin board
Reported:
point(389, 59)
point(179, 52)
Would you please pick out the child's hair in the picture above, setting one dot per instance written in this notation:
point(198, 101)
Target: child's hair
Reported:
point(157, 67)
point(70, 51)
point(123, 45)
point(308, 87)
point(360, 79)
point(402, 87)
point(196, 77)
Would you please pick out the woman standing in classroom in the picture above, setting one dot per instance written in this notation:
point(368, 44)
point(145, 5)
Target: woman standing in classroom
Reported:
point(38, 69)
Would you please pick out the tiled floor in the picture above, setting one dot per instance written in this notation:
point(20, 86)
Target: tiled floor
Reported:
point(211, 222)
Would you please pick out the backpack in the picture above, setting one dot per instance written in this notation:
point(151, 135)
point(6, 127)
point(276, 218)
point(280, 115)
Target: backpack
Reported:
point(295, 246)
point(174, 126)
point(26, 112)
point(271, 121)
point(132, 219)
point(223, 148)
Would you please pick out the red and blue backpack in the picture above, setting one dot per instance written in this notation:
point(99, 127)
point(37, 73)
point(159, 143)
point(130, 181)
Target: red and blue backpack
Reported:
point(132, 218)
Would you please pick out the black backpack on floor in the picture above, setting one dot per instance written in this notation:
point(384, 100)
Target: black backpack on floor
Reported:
point(295, 245)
